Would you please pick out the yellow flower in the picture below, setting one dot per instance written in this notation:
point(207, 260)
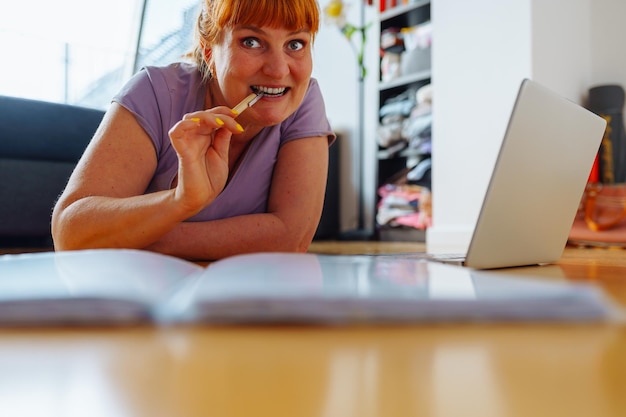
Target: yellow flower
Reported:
point(335, 12)
point(334, 8)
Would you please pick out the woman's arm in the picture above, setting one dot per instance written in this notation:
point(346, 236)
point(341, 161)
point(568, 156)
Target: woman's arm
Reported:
point(294, 210)
point(104, 204)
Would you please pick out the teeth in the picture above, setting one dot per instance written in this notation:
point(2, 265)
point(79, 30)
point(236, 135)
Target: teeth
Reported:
point(269, 91)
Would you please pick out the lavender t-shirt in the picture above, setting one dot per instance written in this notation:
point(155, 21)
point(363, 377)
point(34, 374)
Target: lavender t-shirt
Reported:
point(160, 96)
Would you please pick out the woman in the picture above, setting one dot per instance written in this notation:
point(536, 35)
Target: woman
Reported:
point(172, 169)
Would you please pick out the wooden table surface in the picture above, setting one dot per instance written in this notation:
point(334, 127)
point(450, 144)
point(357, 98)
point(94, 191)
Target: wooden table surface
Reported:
point(529, 370)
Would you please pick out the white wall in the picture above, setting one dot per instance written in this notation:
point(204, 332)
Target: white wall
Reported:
point(481, 52)
point(561, 46)
point(608, 37)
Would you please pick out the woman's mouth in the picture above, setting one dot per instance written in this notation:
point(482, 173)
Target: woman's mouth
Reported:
point(268, 91)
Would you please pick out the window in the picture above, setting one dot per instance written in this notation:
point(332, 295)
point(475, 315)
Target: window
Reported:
point(81, 51)
point(167, 31)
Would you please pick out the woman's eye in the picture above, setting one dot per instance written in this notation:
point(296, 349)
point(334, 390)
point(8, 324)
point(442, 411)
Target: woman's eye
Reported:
point(251, 43)
point(295, 45)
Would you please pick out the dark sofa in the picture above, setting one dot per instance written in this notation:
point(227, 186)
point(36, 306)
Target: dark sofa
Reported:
point(40, 144)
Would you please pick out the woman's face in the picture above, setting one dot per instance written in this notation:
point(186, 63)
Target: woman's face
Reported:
point(277, 62)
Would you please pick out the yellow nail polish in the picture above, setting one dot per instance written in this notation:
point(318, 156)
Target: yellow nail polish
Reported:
point(239, 127)
point(234, 112)
point(219, 121)
point(195, 119)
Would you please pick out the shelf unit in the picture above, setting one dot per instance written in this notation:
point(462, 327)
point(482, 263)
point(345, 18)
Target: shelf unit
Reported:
point(396, 158)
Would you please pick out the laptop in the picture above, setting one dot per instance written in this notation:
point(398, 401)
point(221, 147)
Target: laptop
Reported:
point(538, 180)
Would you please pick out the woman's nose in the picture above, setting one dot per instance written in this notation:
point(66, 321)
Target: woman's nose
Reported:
point(276, 65)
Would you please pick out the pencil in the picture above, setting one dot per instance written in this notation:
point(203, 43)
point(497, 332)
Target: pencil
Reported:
point(246, 102)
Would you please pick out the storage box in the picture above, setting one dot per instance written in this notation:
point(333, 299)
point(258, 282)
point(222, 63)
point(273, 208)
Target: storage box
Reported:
point(415, 60)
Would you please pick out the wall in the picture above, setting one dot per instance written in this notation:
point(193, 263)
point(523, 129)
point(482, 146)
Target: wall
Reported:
point(561, 52)
point(608, 34)
point(481, 52)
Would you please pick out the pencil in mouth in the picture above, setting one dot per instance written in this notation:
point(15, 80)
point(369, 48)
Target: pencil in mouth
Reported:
point(249, 101)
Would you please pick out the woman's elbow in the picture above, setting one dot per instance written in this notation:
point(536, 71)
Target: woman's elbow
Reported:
point(64, 238)
point(60, 240)
point(300, 241)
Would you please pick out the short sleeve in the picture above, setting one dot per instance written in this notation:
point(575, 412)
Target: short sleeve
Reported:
point(139, 97)
point(158, 97)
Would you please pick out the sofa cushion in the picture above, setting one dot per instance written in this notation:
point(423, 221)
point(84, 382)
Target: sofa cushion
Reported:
point(27, 204)
point(39, 130)
point(40, 144)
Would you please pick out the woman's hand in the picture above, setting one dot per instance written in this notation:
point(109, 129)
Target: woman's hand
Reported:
point(202, 143)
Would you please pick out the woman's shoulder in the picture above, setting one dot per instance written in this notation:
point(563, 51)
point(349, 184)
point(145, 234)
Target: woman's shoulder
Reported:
point(314, 87)
point(178, 74)
point(163, 79)
point(158, 96)
point(310, 118)
point(178, 86)
point(313, 95)
point(175, 69)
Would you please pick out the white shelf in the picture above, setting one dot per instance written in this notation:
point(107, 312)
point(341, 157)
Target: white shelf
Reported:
point(398, 10)
point(405, 79)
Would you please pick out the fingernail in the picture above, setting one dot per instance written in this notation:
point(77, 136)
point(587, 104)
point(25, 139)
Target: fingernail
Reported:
point(195, 119)
point(235, 112)
point(239, 127)
point(219, 121)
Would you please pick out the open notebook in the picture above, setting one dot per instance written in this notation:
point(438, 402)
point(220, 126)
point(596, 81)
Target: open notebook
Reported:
point(129, 286)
